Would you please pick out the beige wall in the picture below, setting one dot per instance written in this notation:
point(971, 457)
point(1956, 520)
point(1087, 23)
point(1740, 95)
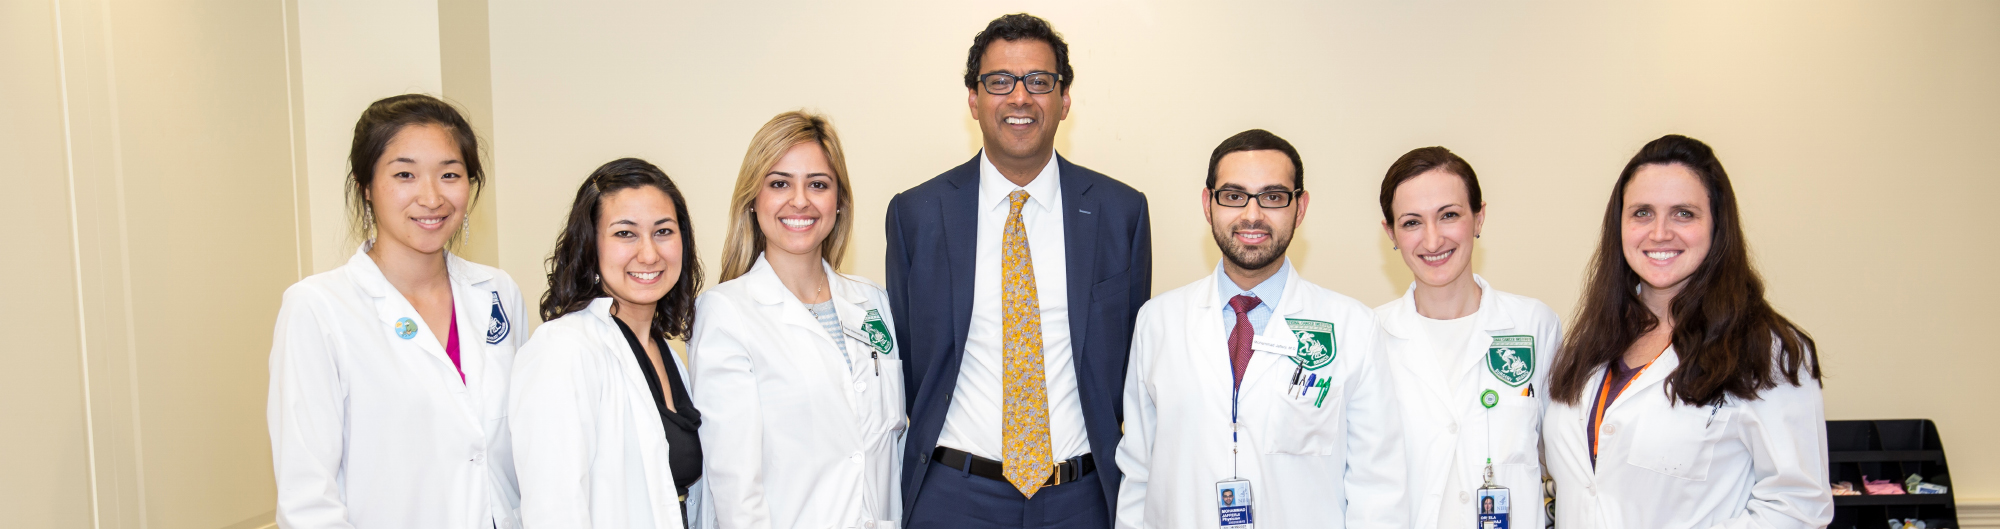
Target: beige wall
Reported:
point(173, 167)
point(1824, 112)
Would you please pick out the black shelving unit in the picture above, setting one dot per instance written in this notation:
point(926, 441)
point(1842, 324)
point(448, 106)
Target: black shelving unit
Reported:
point(1891, 450)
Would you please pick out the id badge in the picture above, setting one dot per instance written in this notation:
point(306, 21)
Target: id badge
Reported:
point(1492, 507)
point(1232, 500)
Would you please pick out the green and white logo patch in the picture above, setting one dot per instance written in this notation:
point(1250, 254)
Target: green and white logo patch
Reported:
point(1512, 359)
point(1316, 345)
point(878, 332)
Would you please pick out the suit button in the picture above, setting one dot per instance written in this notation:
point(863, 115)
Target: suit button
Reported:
point(923, 458)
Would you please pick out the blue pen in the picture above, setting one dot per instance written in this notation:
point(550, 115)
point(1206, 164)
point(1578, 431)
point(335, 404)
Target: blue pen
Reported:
point(1309, 383)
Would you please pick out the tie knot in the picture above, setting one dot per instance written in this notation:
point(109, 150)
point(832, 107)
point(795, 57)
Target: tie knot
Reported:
point(1016, 199)
point(1243, 303)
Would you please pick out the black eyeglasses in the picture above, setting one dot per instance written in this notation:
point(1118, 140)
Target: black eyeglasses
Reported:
point(1002, 83)
point(1233, 198)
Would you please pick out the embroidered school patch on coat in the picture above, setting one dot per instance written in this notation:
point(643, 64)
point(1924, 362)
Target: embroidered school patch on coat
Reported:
point(1316, 345)
point(878, 332)
point(1512, 359)
point(497, 328)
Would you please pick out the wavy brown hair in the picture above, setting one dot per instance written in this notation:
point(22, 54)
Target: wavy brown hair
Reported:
point(573, 281)
point(1723, 328)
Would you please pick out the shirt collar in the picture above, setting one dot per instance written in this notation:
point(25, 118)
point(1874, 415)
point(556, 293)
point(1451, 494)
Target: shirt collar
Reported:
point(1267, 293)
point(1043, 192)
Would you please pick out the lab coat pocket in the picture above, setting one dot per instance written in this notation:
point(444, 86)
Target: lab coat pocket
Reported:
point(1304, 425)
point(1681, 442)
point(891, 382)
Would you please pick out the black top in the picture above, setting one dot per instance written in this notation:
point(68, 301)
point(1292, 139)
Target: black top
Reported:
point(683, 446)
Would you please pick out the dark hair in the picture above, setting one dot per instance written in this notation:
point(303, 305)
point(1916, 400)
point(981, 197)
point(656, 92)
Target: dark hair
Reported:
point(1257, 140)
point(573, 281)
point(1723, 328)
point(379, 124)
point(1016, 27)
point(1423, 160)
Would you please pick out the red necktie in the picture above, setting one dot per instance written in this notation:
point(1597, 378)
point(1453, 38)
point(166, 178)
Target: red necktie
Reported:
point(1239, 338)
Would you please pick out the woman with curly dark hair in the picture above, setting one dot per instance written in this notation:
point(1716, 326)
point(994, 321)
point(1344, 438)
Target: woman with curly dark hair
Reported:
point(1681, 398)
point(605, 434)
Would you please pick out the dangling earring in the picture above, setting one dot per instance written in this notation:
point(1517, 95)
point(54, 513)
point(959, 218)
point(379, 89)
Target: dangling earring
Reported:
point(465, 229)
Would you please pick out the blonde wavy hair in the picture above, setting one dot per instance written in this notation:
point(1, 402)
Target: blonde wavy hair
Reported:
point(745, 241)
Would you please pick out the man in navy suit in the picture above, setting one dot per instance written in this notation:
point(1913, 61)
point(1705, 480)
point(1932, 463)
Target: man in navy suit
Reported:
point(1015, 279)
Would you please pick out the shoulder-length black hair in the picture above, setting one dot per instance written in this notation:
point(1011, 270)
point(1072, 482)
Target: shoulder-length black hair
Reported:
point(573, 281)
point(1723, 328)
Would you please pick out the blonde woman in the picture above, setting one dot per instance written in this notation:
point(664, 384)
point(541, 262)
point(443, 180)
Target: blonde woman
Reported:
point(800, 384)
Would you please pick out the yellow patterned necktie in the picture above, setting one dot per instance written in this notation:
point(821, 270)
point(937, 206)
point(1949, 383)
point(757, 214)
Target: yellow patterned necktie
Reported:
point(1024, 411)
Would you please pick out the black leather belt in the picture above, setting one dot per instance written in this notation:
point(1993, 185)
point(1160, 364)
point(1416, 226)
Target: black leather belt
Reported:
point(1065, 472)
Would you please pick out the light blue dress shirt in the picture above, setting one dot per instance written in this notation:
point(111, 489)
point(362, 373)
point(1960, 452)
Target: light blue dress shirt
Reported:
point(1267, 294)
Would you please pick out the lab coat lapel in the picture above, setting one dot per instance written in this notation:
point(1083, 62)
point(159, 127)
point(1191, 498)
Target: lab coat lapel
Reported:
point(391, 307)
point(819, 351)
point(1655, 375)
point(1274, 347)
point(638, 395)
point(1415, 362)
point(1469, 380)
point(1206, 345)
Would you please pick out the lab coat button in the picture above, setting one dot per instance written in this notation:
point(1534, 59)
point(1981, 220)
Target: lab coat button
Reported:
point(1452, 429)
point(1592, 489)
point(1464, 497)
point(869, 524)
point(1610, 429)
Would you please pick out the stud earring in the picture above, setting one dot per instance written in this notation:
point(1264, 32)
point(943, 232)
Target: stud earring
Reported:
point(1393, 247)
point(1475, 235)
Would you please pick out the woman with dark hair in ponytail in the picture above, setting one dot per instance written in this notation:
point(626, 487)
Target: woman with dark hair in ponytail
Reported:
point(1680, 397)
point(605, 434)
point(388, 403)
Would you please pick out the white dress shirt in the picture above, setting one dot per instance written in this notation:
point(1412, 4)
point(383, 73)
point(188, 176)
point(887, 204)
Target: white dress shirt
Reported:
point(973, 424)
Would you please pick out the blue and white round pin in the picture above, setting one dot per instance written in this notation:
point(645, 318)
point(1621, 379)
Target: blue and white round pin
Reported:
point(406, 328)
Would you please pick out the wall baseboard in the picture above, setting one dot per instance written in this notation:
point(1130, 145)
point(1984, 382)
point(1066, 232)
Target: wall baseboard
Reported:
point(1979, 514)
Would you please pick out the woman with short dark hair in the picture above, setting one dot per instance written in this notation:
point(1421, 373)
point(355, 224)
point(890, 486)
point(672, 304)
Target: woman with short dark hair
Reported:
point(605, 434)
point(1681, 397)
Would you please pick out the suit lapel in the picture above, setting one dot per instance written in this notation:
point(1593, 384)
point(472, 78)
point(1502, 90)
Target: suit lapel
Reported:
point(960, 212)
point(1079, 216)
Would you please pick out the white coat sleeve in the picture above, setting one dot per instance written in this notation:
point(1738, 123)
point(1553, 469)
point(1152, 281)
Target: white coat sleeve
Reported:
point(1135, 449)
point(554, 414)
point(1785, 429)
point(306, 414)
point(1376, 478)
point(732, 426)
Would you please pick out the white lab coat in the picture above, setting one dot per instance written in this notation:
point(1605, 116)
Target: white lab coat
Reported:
point(794, 437)
point(371, 430)
point(1445, 426)
point(1667, 465)
point(588, 441)
point(1335, 464)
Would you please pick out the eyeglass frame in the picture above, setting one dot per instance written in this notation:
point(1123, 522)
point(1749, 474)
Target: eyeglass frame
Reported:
point(1291, 196)
point(1018, 80)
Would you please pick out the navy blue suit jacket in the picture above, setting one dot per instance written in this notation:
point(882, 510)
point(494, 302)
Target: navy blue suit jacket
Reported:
point(932, 243)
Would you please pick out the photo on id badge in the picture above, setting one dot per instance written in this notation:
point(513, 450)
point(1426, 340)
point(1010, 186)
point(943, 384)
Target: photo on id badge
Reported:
point(1492, 508)
point(1232, 502)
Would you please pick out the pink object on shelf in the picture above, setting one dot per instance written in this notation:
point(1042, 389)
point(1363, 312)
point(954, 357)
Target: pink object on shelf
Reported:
point(1880, 487)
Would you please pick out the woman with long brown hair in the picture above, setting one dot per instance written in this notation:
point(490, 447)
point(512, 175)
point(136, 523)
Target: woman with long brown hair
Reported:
point(1681, 398)
point(605, 430)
